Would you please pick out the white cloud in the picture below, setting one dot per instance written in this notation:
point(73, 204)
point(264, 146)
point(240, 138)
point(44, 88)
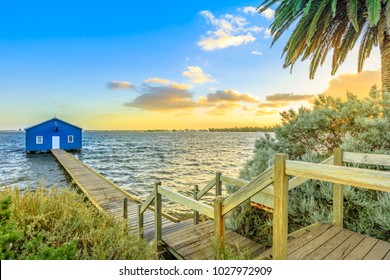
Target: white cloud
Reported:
point(250, 10)
point(267, 33)
point(230, 30)
point(256, 52)
point(197, 76)
point(268, 13)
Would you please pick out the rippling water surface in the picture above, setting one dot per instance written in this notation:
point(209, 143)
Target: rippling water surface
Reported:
point(135, 160)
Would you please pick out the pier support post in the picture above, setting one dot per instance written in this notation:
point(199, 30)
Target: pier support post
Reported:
point(218, 184)
point(280, 218)
point(158, 220)
point(124, 208)
point(338, 192)
point(219, 228)
point(196, 213)
point(140, 222)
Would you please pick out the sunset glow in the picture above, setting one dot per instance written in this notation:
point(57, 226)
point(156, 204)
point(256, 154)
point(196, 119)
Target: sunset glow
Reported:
point(136, 66)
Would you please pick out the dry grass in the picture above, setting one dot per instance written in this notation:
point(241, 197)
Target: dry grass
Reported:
point(60, 224)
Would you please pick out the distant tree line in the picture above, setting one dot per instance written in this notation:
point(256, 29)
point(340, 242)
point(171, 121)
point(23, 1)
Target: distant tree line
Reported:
point(244, 129)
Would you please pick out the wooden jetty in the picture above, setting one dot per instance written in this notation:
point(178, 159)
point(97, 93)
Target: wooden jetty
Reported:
point(210, 239)
point(108, 197)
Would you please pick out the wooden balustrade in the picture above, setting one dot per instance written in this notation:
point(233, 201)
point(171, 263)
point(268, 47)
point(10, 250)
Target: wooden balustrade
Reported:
point(336, 174)
point(274, 183)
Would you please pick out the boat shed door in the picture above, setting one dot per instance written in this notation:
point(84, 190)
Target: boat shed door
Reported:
point(55, 142)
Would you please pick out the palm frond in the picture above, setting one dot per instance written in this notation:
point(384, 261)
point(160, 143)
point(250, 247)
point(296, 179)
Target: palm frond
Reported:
point(369, 40)
point(374, 11)
point(326, 25)
point(352, 13)
point(334, 6)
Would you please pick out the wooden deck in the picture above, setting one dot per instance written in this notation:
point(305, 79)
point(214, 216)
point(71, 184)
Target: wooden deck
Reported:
point(196, 243)
point(328, 242)
point(107, 196)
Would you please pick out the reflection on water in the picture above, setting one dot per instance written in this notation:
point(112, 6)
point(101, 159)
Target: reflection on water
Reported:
point(135, 160)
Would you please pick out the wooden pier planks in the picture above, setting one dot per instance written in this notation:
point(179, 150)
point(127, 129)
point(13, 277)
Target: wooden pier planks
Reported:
point(196, 243)
point(107, 197)
point(328, 242)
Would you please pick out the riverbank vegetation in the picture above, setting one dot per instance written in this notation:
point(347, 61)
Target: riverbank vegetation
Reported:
point(59, 224)
point(355, 125)
point(244, 129)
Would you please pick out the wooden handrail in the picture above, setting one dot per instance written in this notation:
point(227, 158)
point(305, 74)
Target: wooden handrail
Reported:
point(374, 159)
point(364, 178)
point(206, 189)
point(187, 201)
point(336, 174)
point(253, 187)
point(147, 202)
point(234, 181)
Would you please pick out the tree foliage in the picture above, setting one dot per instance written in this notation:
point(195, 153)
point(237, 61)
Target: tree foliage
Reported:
point(325, 25)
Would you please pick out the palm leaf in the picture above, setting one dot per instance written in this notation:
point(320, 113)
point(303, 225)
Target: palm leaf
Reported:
point(307, 8)
point(325, 25)
point(314, 21)
point(374, 11)
point(334, 5)
point(369, 40)
point(352, 13)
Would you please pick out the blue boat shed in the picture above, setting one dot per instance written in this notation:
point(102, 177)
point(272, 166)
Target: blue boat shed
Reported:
point(53, 134)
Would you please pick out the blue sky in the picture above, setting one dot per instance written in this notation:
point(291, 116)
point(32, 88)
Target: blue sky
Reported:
point(145, 65)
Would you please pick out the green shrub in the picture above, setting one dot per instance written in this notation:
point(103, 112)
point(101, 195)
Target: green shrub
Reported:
point(60, 224)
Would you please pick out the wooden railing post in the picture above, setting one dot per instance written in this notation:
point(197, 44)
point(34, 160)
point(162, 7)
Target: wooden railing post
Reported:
point(280, 216)
point(218, 184)
point(196, 213)
point(140, 222)
point(158, 220)
point(338, 193)
point(219, 227)
point(124, 208)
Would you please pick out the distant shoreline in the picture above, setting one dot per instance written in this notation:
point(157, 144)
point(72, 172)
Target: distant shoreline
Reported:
point(235, 129)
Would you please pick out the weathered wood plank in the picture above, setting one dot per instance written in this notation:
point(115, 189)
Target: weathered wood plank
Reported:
point(325, 249)
point(364, 178)
point(147, 202)
point(305, 250)
point(219, 224)
point(280, 214)
point(387, 257)
point(379, 251)
point(375, 159)
point(196, 213)
point(218, 184)
point(344, 248)
point(187, 201)
point(338, 193)
point(233, 181)
point(256, 185)
point(206, 189)
point(361, 250)
point(158, 218)
point(188, 235)
point(204, 250)
point(296, 242)
point(266, 196)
